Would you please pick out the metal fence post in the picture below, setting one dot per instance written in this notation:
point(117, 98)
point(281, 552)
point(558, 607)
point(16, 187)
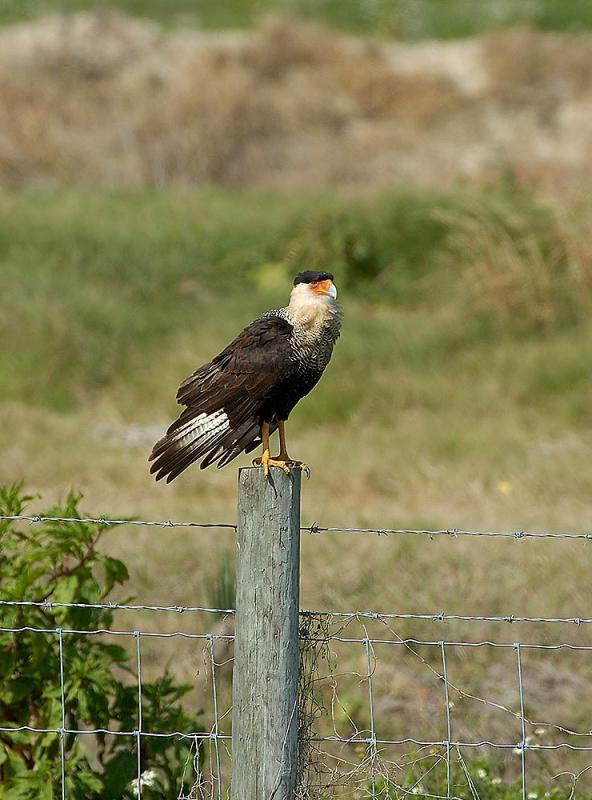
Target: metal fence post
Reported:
point(265, 677)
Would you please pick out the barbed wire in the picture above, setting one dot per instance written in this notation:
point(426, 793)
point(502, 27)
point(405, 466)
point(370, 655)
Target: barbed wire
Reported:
point(451, 532)
point(304, 614)
point(35, 518)
point(49, 604)
point(440, 616)
point(313, 528)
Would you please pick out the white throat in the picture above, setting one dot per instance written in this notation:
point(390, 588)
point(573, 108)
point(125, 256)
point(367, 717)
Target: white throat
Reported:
point(310, 310)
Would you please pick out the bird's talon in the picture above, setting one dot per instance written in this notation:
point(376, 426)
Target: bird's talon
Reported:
point(294, 463)
point(266, 462)
point(282, 460)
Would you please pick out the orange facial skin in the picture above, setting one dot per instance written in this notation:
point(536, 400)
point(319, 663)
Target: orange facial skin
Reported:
point(321, 287)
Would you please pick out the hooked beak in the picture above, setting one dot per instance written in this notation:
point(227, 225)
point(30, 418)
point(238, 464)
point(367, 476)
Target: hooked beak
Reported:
point(325, 287)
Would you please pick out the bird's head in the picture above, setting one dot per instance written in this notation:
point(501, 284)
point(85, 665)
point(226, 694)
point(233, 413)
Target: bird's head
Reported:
point(313, 299)
point(311, 285)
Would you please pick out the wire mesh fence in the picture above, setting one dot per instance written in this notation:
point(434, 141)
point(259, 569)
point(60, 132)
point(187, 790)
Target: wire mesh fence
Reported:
point(392, 704)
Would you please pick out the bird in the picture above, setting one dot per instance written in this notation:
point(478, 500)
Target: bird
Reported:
point(236, 401)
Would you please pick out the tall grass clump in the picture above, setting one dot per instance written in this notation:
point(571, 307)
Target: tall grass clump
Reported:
point(522, 266)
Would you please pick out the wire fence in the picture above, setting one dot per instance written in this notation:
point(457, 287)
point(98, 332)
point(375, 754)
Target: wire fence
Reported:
point(383, 713)
point(312, 528)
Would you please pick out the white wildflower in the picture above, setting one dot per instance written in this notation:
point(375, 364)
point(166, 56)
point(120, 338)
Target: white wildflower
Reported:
point(147, 779)
point(481, 773)
point(540, 731)
point(451, 704)
point(533, 795)
point(496, 781)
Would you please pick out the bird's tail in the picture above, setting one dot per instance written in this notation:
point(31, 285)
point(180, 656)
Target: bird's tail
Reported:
point(193, 436)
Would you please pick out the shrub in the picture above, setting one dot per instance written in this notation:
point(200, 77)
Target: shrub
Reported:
point(59, 562)
point(334, 240)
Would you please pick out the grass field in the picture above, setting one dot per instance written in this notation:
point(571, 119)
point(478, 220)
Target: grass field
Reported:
point(407, 19)
point(450, 378)
point(448, 388)
point(459, 396)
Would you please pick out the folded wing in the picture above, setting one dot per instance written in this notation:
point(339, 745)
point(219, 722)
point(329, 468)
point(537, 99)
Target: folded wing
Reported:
point(225, 398)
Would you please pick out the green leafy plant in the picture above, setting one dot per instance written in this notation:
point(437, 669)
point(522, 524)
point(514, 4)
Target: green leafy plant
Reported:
point(58, 562)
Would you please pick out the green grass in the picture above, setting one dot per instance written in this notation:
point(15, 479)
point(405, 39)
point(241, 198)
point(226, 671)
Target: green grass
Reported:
point(100, 280)
point(98, 285)
point(408, 19)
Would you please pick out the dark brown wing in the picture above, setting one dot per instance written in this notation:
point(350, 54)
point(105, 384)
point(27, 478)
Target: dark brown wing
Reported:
point(225, 398)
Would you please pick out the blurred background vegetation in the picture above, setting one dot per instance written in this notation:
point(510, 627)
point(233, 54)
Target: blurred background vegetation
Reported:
point(165, 169)
point(408, 19)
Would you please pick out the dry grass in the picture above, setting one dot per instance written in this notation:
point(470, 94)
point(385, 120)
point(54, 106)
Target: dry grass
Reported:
point(101, 99)
point(403, 475)
point(525, 66)
point(143, 107)
point(515, 272)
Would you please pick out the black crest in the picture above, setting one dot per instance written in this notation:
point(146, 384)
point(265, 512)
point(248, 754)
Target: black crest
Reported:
point(310, 276)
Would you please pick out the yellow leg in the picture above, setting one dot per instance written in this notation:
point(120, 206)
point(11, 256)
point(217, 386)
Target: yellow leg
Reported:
point(265, 460)
point(283, 448)
point(283, 455)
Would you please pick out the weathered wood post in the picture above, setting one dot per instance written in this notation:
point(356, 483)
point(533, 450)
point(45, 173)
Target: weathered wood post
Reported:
point(265, 677)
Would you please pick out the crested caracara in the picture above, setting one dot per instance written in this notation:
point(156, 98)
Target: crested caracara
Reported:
point(238, 399)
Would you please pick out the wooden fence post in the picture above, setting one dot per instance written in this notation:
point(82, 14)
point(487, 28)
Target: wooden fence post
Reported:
point(266, 653)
